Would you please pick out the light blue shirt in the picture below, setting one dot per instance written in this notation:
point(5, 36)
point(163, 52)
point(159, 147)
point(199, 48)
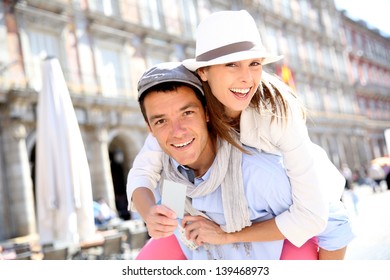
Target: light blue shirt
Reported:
point(268, 192)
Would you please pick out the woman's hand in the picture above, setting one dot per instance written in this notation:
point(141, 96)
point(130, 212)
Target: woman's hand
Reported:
point(202, 230)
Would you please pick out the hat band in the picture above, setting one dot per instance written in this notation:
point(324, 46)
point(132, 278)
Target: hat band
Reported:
point(225, 50)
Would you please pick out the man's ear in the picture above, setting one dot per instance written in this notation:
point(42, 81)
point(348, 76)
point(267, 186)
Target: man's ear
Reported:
point(150, 130)
point(202, 72)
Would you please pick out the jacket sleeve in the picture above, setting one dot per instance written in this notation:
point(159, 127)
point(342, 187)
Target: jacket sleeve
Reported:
point(314, 179)
point(146, 169)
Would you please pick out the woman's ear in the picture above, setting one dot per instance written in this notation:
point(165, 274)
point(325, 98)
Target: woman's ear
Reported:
point(202, 72)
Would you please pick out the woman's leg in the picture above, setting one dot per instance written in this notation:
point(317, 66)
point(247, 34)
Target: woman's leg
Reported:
point(332, 255)
point(161, 249)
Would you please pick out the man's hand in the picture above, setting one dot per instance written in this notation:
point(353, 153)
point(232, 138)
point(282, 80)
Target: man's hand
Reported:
point(160, 221)
point(202, 230)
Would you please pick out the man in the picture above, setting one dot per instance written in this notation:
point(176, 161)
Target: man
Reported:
point(231, 188)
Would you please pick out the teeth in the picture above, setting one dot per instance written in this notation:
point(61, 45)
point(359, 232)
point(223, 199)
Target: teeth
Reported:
point(183, 144)
point(240, 90)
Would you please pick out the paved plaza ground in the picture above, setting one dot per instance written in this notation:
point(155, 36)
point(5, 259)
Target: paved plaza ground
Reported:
point(371, 224)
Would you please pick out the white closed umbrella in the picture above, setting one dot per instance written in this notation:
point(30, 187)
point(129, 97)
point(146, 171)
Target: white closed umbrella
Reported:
point(63, 182)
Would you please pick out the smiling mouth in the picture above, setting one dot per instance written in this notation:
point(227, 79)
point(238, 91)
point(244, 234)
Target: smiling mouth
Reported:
point(240, 92)
point(182, 145)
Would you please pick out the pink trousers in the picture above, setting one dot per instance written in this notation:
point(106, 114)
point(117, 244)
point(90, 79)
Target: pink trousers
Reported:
point(169, 249)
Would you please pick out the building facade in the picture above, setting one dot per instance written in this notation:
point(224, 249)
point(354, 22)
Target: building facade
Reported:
point(104, 46)
point(369, 72)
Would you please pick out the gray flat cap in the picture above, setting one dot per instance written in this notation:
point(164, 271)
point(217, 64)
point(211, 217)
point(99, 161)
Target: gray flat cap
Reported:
point(167, 72)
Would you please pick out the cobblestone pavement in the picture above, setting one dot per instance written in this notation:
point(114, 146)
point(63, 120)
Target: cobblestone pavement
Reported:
point(371, 223)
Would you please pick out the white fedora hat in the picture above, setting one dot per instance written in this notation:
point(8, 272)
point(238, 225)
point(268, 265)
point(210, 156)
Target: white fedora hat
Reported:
point(228, 36)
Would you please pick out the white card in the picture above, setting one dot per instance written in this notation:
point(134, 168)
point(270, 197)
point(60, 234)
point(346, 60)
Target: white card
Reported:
point(173, 197)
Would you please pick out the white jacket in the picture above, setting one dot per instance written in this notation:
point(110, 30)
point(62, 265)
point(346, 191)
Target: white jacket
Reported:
point(315, 181)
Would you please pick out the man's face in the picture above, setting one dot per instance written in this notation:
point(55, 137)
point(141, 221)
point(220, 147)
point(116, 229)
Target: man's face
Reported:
point(178, 121)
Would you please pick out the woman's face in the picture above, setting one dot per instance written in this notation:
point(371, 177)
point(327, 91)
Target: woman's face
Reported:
point(234, 83)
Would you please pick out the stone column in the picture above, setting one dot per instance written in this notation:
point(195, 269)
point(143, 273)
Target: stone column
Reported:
point(102, 185)
point(3, 198)
point(19, 187)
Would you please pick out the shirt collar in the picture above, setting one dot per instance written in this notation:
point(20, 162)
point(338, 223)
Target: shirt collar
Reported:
point(197, 179)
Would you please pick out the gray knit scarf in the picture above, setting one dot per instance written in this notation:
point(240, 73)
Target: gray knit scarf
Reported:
point(226, 173)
